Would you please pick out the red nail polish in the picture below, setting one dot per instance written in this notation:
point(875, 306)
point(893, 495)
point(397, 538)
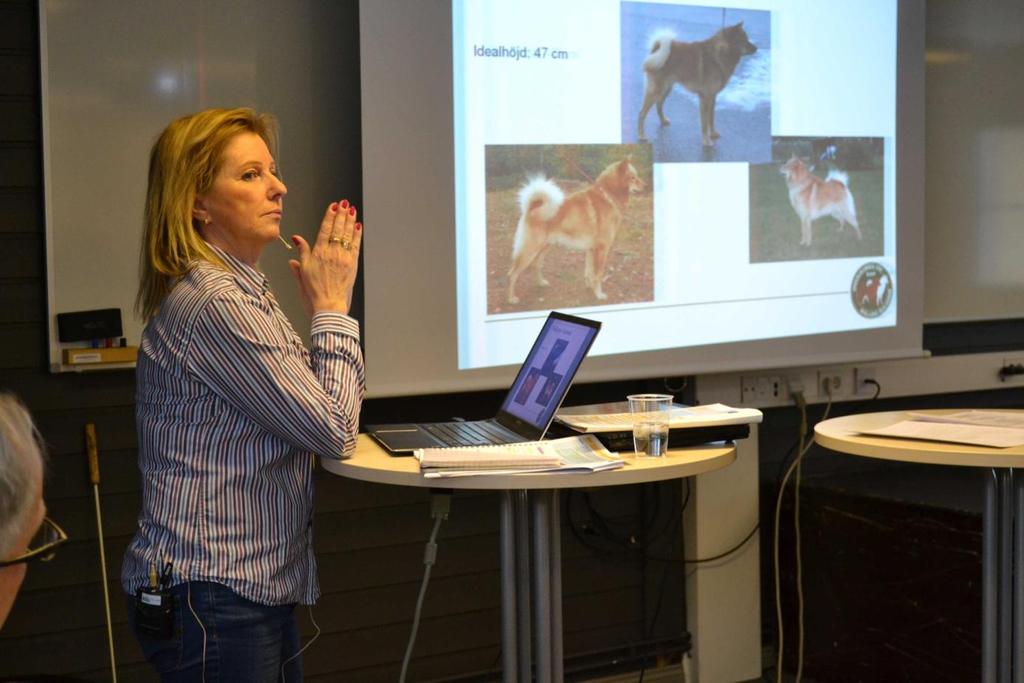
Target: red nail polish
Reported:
point(334, 206)
point(352, 211)
point(295, 240)
point(359, 226)
point(344, 203)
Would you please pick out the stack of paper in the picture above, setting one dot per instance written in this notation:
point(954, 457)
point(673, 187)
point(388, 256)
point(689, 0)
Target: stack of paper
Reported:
point(714, 414)
point(975, 427)
point(571, 454)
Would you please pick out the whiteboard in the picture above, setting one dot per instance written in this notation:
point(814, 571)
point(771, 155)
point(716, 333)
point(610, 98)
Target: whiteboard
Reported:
point(114, 74)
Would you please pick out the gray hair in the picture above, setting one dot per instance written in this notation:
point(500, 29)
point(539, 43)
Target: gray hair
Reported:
point(21, 465)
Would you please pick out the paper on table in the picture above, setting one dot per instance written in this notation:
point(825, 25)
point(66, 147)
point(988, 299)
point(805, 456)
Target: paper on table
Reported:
point(680, 416)
point(978, 435)
point(989, 418)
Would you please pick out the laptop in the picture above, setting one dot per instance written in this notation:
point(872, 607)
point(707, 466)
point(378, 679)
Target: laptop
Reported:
point(529, 406)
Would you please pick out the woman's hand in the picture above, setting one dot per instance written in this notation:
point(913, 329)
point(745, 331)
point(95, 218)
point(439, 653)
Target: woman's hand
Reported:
point(327, 271)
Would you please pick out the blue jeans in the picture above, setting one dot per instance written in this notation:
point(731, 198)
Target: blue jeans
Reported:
point(245, 641)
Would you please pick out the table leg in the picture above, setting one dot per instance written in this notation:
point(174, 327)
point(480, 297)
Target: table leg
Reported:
point(1002, 588)
point(522, 529)
point(1018, 578)
point(555, 535)
point(515, 586)
point(542, 584)
point(509, 649)
point(1005, 594)
point(990, 579)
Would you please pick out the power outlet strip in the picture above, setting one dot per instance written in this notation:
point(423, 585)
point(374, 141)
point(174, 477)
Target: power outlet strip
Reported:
point(923, 376)
point(776, 388)
point(760, 389)
point(834, 382)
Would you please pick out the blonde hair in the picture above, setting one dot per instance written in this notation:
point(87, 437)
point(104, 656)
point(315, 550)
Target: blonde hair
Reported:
point(183, 164)
point(21, 465)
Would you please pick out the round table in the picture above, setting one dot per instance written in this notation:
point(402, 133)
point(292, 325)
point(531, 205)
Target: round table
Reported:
point(1003, 541)
point(523, 496)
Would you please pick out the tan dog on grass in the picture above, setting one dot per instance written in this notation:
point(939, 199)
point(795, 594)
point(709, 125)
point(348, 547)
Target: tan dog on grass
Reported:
point(813, 197)
point(586, 220)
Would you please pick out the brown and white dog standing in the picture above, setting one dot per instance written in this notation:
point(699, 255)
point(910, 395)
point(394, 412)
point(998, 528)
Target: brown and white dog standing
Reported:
point(813, 197)
point(703, 67)
point(587, 220)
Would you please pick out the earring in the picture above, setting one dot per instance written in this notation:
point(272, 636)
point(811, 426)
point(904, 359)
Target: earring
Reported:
point(207, 221)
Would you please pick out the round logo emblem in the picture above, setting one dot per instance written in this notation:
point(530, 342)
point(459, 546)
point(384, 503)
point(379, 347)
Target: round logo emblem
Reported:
point(871, 290)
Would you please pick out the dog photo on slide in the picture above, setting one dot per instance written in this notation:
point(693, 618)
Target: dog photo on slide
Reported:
point(568, 226)
point(696, 81)
point(819, 198)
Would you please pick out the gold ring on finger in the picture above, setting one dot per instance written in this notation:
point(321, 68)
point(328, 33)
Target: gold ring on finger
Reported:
point(336, 240)
point(346, 244)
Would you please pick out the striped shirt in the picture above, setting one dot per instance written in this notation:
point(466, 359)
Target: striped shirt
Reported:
point(230, 410)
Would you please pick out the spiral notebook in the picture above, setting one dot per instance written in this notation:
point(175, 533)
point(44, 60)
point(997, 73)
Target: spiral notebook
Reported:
point(529, 455)
point(529, 406)
point(573, 454)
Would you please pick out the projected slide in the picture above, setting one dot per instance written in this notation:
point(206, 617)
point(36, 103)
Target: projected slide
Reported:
point(689, 174)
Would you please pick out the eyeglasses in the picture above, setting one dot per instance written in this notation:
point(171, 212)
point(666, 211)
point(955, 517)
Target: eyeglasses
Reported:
point(43, 546)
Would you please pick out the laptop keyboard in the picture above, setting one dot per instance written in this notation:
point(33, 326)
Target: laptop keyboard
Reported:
point(469, 433)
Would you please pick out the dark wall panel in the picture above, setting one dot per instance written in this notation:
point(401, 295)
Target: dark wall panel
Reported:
point(19, 161)
point(21, 210)
point(21, 255)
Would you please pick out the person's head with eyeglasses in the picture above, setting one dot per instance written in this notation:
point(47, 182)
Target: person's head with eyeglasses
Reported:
point(21, 497)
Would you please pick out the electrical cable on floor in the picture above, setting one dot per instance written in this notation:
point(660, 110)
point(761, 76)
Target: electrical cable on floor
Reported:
point(600, 535)
point(675, 518)
point(802, 404)
point(597, 534)
point(726, 553)
point(798, 544)
point(857, 408)
point(798, 446)
point(628, 548)
point(625, 550)
point(440, 503)
point(775, 540)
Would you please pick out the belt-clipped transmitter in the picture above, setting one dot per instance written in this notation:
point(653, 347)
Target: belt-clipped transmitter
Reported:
point(154, 606)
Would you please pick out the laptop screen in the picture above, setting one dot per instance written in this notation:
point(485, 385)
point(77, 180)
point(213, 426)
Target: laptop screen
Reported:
point(547, 374)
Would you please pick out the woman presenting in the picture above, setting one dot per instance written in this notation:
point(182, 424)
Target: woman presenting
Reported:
point(231, 408)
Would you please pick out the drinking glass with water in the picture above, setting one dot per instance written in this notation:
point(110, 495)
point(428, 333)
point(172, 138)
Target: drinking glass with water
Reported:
point(650, 423)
